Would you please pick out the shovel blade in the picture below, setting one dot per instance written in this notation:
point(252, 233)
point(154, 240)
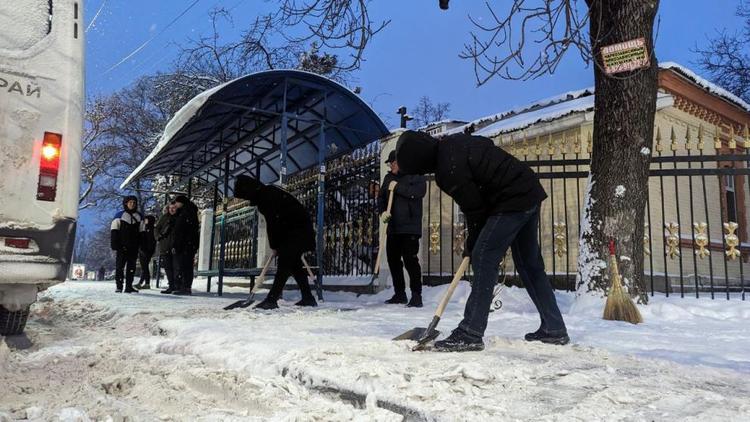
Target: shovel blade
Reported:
point(244, 303)
point(419, 334)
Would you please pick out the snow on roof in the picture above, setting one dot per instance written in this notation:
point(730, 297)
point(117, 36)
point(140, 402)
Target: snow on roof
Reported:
point(544, 114)
point(177, 122)
point(705, 84)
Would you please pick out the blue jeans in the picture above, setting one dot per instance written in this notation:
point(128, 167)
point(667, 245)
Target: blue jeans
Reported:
point(517, 230)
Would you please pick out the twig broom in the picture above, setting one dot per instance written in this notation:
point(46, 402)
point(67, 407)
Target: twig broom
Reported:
point(620, 306)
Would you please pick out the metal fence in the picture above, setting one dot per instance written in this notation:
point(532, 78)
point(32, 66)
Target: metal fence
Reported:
point(695, 241)
point(350, 230)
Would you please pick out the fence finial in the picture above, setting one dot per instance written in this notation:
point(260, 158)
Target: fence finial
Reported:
point(673, 139)
point(688, 140)
point(732, 144)
point(746, 137)
point(658, 147)
point(701, 144)
point(717, 138)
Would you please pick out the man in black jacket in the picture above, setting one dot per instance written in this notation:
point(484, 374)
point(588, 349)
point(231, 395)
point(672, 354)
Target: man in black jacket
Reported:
point(125, 240)
point(185, 240)
point(290, 235)
point(404, 230)
point(500, 197)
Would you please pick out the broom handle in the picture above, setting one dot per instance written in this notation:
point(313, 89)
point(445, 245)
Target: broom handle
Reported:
point(381, 246)
point(456, 278)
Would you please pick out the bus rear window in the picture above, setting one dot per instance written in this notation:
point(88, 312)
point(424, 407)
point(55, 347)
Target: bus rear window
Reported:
point(23, 23)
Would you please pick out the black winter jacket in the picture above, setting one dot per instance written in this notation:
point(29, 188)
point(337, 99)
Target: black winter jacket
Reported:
point(406, 211)
point(148, 241)
point(288, 224)
point(164, 233)
point(126, 229)
point(186, 229)
point(483, 179)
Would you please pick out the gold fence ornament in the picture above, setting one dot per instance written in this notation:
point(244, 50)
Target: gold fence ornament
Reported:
point(688, 139)
point(673, 140)
point(717, 138)
point(731, 240)
point(701, 239)
point(525, 144)
point(589, 142)
point(701, 143)
point(746, 138)
point(646, 240)
point(673, 239)
point(658, 146)
point(577, 143)
point(732, 142)
point(551, 148)
point(434, 238)
point(561, 247)
point(538, 148)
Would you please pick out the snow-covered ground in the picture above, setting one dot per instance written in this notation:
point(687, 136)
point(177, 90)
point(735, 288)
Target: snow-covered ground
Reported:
point(102, 356)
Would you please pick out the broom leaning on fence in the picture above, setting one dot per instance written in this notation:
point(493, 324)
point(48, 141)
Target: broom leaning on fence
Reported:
point(619, 307)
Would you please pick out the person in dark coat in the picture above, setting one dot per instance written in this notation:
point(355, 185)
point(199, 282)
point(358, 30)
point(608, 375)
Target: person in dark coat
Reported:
point(290, 235)
point(146, 252)
point(185, 239)
point(100, 274)
point(164, 233)
point(500, 197)
point(404, 230)
point(125, 240)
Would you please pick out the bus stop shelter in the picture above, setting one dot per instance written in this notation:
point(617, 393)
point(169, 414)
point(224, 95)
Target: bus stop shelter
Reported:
point(268, 125)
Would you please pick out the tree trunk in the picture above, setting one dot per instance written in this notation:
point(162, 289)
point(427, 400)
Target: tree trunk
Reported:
point(625, 108)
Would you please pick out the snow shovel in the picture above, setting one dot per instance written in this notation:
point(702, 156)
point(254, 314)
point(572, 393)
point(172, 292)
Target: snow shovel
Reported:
point(311, 275)
point(244, 303)
point(426, 335)
point(381, 244)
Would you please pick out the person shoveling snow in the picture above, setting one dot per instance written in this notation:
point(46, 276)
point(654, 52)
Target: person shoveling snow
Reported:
point(290, 235)
point(500, 197)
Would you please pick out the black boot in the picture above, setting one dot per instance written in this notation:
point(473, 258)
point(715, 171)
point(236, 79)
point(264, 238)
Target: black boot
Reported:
point(307, 301)
point(397, 298)
point(267, 305)
point(145, 286)
point(118, 290)
point(460, 341)
point(415, 302)
point(544, 337)
point(130, 289)
point(183, 292)
point(167, 291)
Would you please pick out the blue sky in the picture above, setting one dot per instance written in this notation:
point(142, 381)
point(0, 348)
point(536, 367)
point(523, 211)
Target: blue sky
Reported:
point(417, 54)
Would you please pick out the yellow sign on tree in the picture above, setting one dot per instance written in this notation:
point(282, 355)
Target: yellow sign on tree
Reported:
point(625, 56)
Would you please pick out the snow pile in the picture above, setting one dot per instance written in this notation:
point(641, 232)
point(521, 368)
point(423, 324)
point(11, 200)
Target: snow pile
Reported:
point(149, 357)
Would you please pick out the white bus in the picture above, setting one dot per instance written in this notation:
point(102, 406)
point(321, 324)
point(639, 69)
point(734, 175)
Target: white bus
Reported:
point(41, 124)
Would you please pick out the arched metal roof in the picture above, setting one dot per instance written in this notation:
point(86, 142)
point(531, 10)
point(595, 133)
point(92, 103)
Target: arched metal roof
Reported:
point(245, 125)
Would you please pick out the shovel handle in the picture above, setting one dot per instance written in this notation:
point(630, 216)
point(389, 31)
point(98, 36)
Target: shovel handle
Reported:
point(307, 267)
point(263, 272)
point(381, 244)
point(454, 283)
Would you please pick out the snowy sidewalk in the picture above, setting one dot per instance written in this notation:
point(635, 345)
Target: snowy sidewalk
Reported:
point(151, 357)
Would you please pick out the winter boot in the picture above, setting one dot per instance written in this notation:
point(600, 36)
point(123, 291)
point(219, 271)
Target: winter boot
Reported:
point(307, 301)
point(540, 335)
point(130, 290)
point(118, 290)
point(267, 305)
point(145, 286)
point(398, 298)
point(415, 302)
point(183, 292)
point(167, 291)
point(460, 341)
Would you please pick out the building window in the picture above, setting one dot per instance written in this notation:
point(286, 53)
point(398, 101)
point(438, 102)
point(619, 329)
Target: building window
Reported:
point(731, 198)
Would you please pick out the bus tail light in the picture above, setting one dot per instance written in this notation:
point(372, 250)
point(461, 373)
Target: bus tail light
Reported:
point(17, 242)
point(49, 166)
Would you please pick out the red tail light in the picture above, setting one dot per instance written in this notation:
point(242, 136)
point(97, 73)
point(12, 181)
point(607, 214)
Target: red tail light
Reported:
point(49, 166)
point(17, 242)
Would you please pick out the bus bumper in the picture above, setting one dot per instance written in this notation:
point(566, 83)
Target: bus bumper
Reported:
point(50, 263)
